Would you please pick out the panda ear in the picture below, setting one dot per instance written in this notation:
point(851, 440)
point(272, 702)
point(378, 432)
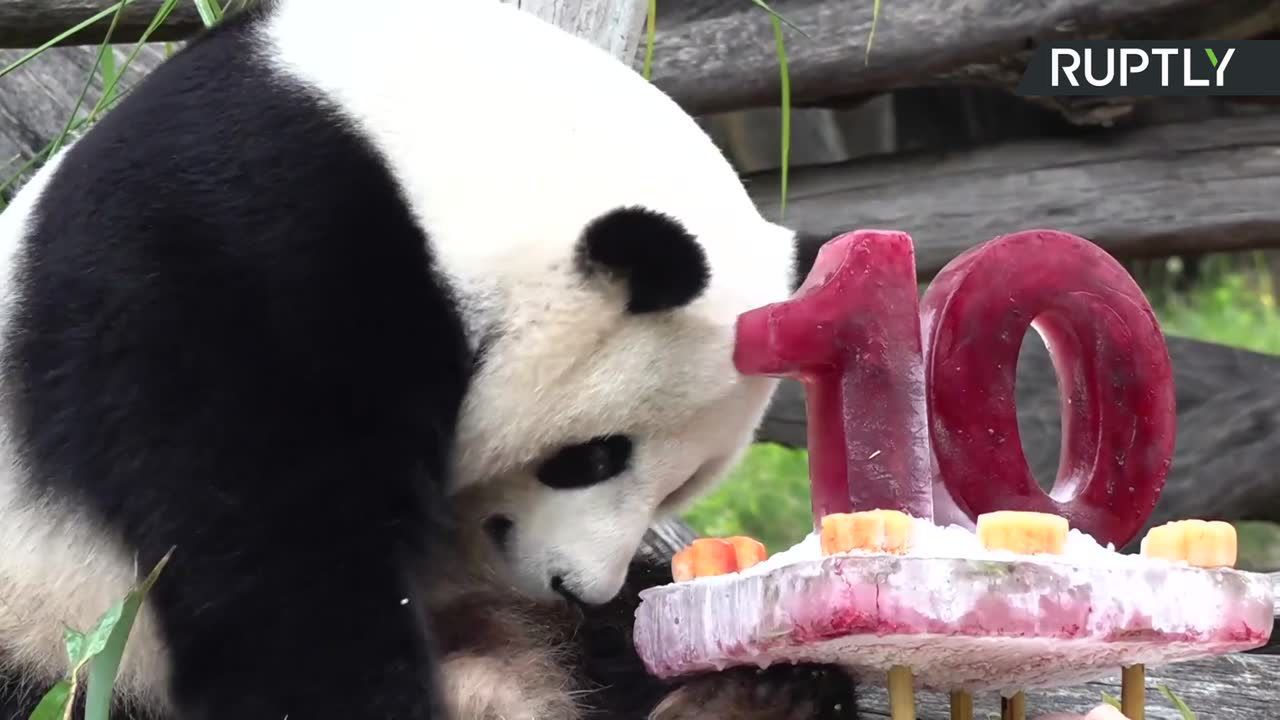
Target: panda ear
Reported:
point(661, 262)
point(807, 247)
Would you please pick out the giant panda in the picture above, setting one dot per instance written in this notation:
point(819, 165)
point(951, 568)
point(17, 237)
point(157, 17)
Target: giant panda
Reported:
point(331, 302)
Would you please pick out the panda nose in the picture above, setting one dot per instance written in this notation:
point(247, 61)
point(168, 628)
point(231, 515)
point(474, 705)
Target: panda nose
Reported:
point(557, 586)
point(498, 528)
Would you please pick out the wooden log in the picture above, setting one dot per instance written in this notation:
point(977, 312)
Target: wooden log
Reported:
point(31, 23)
point(1187, 187)
point(37, 99)
point(1228, 437)
point(718, 55)
point(614, 25)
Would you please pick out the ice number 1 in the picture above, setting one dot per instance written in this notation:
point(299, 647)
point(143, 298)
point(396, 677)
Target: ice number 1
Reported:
point(902, 393)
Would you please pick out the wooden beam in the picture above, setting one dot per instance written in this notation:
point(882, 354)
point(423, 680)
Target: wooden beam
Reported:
point(31, 23)
point(1192, 187)
point(614, 25)
point(717, 55)
point(37, 98)
point(721, 56)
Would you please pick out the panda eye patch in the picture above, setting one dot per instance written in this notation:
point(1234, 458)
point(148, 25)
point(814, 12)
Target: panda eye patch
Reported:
point(585, 464)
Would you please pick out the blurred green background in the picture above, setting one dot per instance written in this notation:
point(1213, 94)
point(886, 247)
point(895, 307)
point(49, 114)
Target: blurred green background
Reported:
point(1231, 300)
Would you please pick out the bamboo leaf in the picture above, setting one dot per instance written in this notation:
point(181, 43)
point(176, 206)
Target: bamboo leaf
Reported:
point(1177, 702)
point(73, 640)
point(651, 31)
point(210, 12)
point(105, 665)
point(54, 704)
point(871, 35)
point(110, 76)
point(104, 48)
point(776, 16)
point(786, 113)
point(110, 93)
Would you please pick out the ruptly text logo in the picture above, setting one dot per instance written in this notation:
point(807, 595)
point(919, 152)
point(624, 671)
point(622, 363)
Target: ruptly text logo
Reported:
point(1096, 67)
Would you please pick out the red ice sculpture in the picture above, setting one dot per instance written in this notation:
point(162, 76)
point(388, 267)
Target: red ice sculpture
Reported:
point(1116, 380)
point(883, 404)
point(851, 334)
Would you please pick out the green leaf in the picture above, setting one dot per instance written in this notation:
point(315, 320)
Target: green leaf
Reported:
point(776, 16)
point(1177, 702)
point(96, 639)
point(110, 93)
point(73, 640)
point(210, 12)
point(105, 665)
point(780, 42)
point(786, 113)
point(110, 76)
point(871, 35)
point(55, 702)
point(104, 48)
point(1112, 701)
point(651, 31)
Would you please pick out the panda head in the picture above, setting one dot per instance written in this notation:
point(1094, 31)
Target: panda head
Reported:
point(600, 248)
point(606, 394)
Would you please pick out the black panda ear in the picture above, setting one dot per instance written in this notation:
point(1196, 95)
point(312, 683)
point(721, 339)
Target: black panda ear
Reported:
point(661, 262)
point(807, 247)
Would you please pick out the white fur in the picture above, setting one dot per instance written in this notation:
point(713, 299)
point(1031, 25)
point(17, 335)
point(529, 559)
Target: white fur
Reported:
point(57, 569)
point(507, 137)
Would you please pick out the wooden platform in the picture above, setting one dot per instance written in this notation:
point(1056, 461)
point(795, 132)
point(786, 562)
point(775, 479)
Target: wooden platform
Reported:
point(1232, 687)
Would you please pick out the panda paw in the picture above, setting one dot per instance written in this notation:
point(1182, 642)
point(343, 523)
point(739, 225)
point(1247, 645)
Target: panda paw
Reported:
point(782, 692)
point(493, 688)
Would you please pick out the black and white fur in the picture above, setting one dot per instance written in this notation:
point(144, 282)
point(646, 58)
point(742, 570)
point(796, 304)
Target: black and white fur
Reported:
point(507, 657)
point(316, 279)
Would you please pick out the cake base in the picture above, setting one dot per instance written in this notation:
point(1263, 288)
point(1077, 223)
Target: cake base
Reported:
point(958, 623)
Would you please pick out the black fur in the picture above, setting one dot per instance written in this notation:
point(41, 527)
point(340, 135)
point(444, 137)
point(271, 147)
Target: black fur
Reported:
point(807, 247)
point(662, 263)
point(586, 464)
point(232, 342)
point(608, 662)
point(621, 688)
